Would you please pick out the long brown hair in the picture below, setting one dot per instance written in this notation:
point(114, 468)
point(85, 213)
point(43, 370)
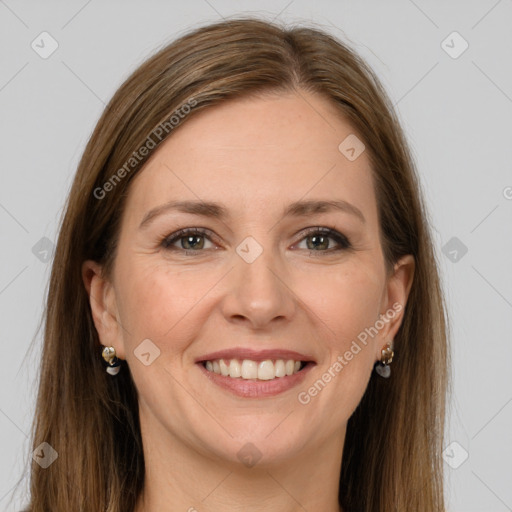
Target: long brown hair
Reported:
point(392, 456)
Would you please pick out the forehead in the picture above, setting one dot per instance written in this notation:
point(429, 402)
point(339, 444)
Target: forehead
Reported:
point(258, 152)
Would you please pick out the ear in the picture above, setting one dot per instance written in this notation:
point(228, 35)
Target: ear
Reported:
point(398, 286)
point(103, 306)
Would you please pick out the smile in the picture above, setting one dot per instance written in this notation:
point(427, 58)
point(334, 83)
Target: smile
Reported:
point(249, 369)
point(251, 385)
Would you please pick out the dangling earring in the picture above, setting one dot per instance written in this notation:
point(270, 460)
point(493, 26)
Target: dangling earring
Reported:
point(382, 367)
point(109, 354)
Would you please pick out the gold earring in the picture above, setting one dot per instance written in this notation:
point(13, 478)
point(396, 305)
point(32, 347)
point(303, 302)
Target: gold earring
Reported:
point(114, 364)
point(382, 367)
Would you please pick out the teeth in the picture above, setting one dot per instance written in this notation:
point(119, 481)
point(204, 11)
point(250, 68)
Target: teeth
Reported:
point(224, 368)
point(248, 369)
point(280, 368)
point(234, 368)
point(266, 370)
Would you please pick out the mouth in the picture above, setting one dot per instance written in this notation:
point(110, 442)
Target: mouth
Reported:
point(253, 370)
point(255, 374)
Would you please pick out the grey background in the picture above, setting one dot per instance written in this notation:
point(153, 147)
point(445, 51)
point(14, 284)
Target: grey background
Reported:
point(457, 114)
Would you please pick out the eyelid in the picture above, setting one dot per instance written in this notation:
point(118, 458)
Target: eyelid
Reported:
point(344, 243)
point(169, 239)
point(329, 232)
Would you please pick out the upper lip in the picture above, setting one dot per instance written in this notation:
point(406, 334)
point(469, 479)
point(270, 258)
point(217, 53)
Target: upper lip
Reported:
point(255, 355)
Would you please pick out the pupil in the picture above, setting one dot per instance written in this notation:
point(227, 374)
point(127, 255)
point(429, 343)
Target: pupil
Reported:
point(189, 240)
point(315, 238)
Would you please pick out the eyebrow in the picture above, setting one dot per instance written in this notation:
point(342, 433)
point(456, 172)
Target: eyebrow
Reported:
point(218, 211)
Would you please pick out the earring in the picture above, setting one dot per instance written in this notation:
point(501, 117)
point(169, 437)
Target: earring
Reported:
point(382, 367)
point(109, 355)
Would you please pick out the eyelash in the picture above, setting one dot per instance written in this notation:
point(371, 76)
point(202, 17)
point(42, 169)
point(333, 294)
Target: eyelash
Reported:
point(169, 240)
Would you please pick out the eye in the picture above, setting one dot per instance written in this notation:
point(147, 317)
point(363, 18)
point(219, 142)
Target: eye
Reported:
point(318, 238)
point(193, 240)
point(190, 239)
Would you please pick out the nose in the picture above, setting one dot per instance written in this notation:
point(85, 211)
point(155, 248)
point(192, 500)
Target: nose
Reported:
point(259, 293)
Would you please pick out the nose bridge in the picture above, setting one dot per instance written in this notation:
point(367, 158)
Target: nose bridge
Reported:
point(257, 289)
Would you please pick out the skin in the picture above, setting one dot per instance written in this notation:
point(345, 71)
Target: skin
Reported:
point(255, 156)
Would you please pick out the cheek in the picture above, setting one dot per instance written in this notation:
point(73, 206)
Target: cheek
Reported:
point(348, 305)
point(156, 302)
point(346, 301)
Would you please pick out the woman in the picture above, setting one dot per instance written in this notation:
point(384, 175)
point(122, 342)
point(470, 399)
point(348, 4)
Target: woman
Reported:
point(244, 309)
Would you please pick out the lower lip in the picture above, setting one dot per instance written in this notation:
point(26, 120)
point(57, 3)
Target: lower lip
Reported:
point(253, 388)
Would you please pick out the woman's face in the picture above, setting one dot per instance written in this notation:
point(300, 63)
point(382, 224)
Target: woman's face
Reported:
point(263, 276)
